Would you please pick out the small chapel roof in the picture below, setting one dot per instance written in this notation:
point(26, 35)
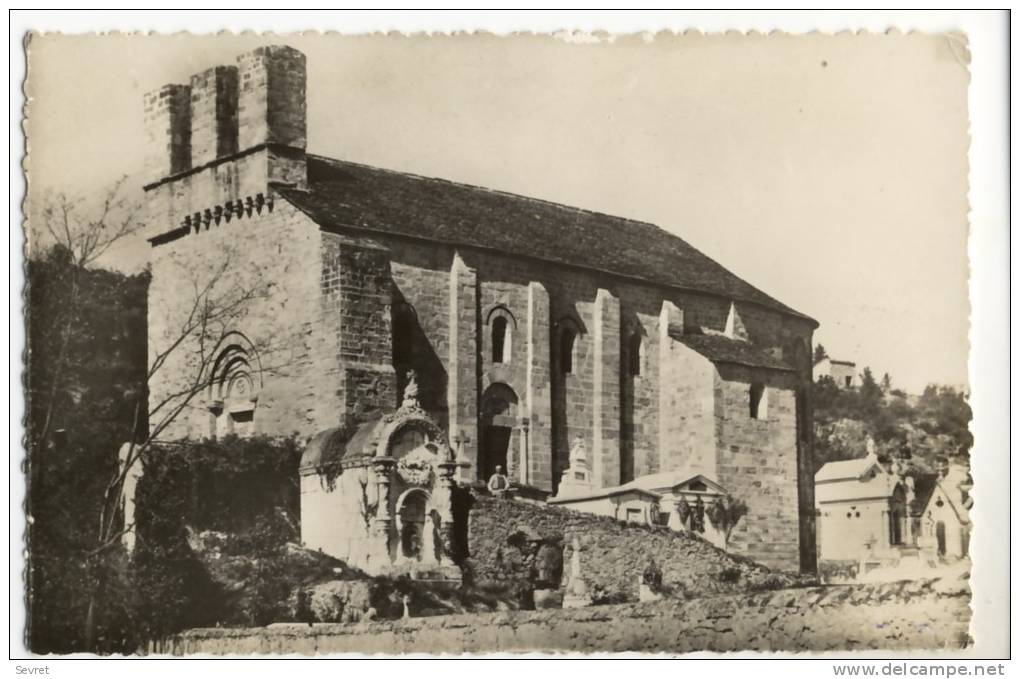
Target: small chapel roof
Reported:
point(840, 470)
point(339, 443)
point(661, 481)
point(722, 349)
point(854, 480)
point(599, 493)
point(879, 487)
point(348, 195)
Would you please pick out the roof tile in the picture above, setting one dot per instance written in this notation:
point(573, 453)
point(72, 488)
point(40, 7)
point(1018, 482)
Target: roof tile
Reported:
point(344, 194)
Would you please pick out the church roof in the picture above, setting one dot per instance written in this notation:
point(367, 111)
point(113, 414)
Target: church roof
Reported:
point(722, 349)
point(347, 195)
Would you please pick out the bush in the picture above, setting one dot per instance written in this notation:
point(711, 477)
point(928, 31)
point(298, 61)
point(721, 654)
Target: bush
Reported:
point(768, 583)
point(729, 575)
point(247, 488)
point(227, 484)
point(837, 569)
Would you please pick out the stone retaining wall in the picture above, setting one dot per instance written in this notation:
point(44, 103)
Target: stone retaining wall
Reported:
point(613, 554)
point(930, 614)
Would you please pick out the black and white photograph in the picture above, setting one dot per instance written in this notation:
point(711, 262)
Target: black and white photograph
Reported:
point(560, 342)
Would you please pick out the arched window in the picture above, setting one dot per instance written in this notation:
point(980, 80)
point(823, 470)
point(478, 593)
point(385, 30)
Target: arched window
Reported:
point(568, 340)
point(502, 338)
point(635, 349)
point(758, 402)
point(404, 324)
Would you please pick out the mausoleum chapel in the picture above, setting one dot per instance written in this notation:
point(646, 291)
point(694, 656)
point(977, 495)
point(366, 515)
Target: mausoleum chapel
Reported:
point(419, 333)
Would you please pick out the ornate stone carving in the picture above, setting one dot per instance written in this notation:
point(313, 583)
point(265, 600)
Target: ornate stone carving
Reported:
point(382, 466)
point(416, 467)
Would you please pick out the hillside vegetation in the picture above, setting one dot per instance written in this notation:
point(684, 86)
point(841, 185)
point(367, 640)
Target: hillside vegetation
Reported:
point(923, 430)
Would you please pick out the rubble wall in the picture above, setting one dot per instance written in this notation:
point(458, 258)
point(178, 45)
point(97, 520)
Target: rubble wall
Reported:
point(925, 614)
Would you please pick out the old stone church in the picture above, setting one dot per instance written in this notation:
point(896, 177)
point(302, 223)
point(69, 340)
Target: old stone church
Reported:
point(418, 332)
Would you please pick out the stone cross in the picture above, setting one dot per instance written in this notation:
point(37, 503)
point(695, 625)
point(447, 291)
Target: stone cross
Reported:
point(459, 440)
point(577, 585)
point(576, 595)
point(870, 543)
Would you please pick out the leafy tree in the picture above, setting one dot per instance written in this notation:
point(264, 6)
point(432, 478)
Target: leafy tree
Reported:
point(88, 371)
point(86, 399)
point(725, 513)
point(920, 429)
point(80, 233)
point(820, 353)
point(869, 395)
point(945, 411)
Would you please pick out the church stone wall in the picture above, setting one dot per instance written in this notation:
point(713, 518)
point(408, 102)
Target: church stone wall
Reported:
point(757, 462)
point(639, 314)
point(336, 517)
point(689, 436)
point(355, 329)
point(332, 322)
point(322, 319)
point(267, 255)
point(421, 278)
point(487, 282)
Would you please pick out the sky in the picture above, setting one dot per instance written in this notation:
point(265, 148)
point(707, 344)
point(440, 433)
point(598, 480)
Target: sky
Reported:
point(829, 171)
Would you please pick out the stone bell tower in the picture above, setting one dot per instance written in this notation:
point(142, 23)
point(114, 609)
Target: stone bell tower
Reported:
point(220, 148)
point(216, 146)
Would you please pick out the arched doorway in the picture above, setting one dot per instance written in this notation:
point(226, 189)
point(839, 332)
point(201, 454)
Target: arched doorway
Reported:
point(896, 527)
point(416, 526)
point(498, 420)
point(897, 516)
point(940, 537)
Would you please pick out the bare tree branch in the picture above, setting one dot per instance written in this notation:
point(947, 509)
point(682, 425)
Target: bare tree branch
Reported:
point(88, 231)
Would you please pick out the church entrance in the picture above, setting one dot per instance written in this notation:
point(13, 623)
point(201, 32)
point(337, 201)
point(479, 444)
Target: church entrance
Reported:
point(495, 446)
point(940, 537)
point(498, 421)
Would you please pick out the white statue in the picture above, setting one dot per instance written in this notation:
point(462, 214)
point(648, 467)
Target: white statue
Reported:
point(576, 479)
point(410, 397)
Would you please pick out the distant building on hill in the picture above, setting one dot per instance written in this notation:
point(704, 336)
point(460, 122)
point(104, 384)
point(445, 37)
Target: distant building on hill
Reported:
point(843, 373)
